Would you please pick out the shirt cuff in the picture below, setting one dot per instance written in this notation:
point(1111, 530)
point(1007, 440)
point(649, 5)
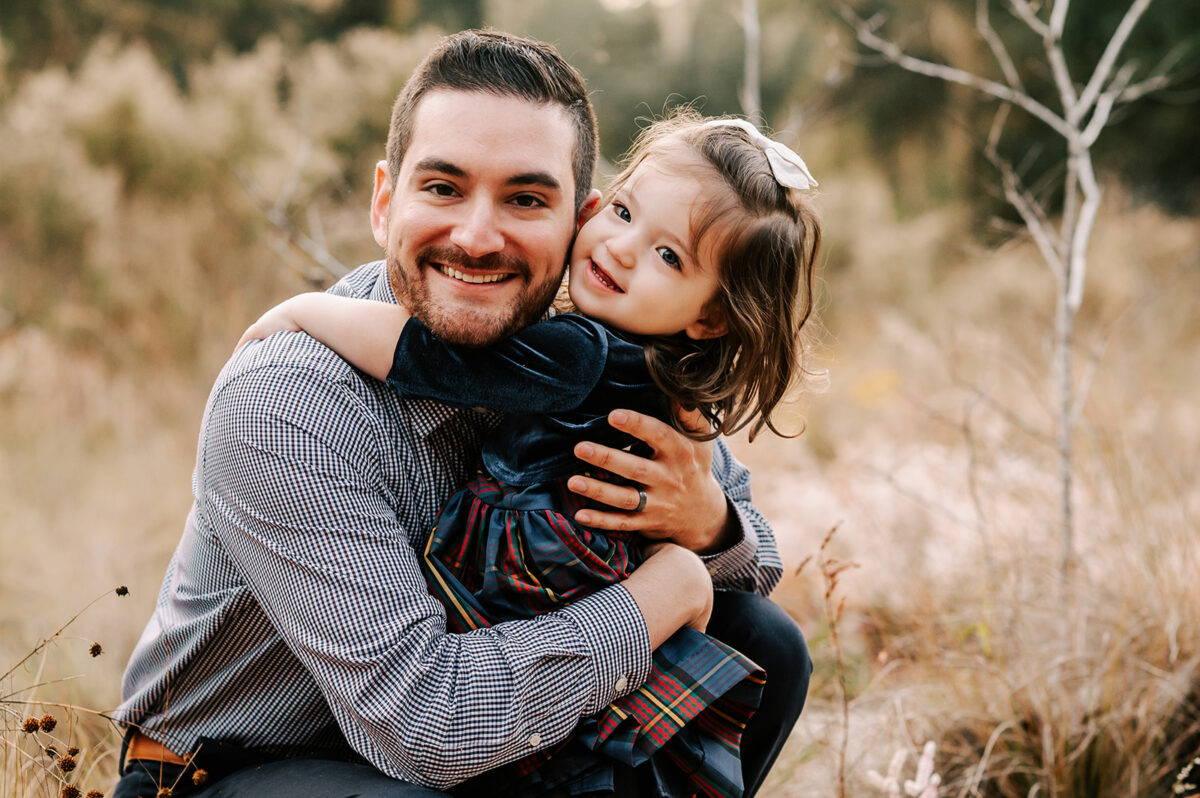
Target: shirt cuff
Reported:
point(738, 558)
point(613, 627)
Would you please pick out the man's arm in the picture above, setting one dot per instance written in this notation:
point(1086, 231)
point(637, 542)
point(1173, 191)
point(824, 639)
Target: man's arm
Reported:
point(697, 495)
point(312, 527)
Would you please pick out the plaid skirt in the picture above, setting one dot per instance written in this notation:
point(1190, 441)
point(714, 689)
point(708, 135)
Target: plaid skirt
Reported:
point(499, 552)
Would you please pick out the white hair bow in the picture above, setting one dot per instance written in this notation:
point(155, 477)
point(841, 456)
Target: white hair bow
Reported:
point(788, 167)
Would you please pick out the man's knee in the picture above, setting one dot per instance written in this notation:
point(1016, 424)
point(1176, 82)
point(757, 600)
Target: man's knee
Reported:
point(764, 632)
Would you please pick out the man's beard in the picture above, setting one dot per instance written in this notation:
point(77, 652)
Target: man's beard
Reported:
point(464, 324)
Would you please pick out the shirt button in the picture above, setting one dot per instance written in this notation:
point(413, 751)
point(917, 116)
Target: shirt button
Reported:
point(621, 684)
point(535, 740)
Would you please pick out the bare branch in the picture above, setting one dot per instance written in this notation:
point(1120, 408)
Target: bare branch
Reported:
point(1159, 77)
point(1008, 415)
point(1026, 14)
point(1062, 75)
point(1105, 105)
point(1109, 58)
point(1088, 376)
point(749, 93)
point(1058, 18)
point(1077, 264)
point(892, 52)
point(276, 216)
point(997, 129)
point(1024, 200)
point(984, 26)
point(924, 501)
point(1143, 87)
point(1032, 214)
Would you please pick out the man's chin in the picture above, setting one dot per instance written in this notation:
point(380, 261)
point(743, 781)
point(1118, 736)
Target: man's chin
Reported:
point(471, 328)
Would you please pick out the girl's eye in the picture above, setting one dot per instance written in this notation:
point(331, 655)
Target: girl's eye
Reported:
point(669, 257)
point(621, 211)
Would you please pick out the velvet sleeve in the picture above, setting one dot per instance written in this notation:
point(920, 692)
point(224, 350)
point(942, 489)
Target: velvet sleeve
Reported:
point(546, 367)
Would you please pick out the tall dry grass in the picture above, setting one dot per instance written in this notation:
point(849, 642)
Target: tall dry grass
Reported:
point(135, 245)
point(931, 450)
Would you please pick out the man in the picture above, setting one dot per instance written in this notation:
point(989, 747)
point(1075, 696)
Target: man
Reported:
point(295, 648)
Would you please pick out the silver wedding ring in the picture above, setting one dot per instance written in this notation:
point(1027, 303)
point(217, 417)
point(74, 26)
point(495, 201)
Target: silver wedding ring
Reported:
point(641, 501)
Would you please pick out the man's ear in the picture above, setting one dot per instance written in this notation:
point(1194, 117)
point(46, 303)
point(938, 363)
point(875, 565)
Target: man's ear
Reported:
point(590, 205)
point(711, 323)
point(381, 200)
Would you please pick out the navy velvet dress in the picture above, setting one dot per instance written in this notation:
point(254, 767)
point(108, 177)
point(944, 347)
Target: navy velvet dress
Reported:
point(507, 546)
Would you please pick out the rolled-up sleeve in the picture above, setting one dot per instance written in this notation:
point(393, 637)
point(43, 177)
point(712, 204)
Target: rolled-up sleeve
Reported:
point(752, 563)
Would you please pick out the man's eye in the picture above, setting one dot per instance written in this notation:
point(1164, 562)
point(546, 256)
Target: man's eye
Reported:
point(621, 211)
point(529, 201)
point(669, 257)
point(441, 190)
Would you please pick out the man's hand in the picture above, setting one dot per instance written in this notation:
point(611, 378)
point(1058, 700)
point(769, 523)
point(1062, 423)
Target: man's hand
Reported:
point(673, 589)
point(684, 502)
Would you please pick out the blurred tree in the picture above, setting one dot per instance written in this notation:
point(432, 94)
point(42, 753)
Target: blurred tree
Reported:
point(1073, 107)
point(179, 32)
point(645, 58)
point(909, 112)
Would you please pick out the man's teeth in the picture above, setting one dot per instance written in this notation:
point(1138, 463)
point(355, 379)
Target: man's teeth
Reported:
point(472, 278)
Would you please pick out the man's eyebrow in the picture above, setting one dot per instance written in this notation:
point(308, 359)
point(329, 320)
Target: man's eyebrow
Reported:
point(438, 165)
point(543, 179)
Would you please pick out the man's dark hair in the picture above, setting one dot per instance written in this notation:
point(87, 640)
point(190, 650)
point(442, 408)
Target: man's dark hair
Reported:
point(506, 65)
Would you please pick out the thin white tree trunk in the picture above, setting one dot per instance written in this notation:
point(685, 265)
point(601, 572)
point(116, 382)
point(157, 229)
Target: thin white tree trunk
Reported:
point(750, 94)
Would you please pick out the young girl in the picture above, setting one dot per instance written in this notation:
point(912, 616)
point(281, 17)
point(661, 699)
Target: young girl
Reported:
point(690, 286)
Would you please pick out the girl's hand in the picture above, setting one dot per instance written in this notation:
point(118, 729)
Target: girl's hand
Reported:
point(277, 319)
point(684, 502)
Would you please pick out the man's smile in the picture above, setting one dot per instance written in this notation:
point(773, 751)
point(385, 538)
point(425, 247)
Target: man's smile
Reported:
point(474, 279)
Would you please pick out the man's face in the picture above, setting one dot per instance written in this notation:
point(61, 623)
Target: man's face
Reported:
point(477, 226)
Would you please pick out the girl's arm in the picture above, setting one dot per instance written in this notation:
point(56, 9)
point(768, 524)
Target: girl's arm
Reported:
point(361, 331)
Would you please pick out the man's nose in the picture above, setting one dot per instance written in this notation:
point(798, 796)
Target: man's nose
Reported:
point(478, 231)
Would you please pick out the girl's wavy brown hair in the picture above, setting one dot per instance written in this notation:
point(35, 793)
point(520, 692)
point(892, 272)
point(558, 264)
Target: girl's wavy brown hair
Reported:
point(766, 239)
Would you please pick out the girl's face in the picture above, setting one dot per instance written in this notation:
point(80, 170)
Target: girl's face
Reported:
point(632, 266)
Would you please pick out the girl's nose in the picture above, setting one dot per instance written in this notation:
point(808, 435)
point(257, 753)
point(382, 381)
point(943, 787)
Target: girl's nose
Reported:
point(623, 249)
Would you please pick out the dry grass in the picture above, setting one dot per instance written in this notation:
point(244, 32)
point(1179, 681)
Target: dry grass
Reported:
point(927, 451)
point(121, 296)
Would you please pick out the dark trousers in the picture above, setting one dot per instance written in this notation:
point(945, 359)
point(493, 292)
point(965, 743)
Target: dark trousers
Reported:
point(753, 625)
point(760, 629)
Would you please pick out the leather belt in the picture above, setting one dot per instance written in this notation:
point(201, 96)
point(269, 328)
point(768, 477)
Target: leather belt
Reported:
point(142, 747)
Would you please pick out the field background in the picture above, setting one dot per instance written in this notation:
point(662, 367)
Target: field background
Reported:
point(163, 167)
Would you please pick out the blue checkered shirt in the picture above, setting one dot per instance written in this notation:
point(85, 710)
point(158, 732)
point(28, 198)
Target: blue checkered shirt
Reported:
point(293, 617)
